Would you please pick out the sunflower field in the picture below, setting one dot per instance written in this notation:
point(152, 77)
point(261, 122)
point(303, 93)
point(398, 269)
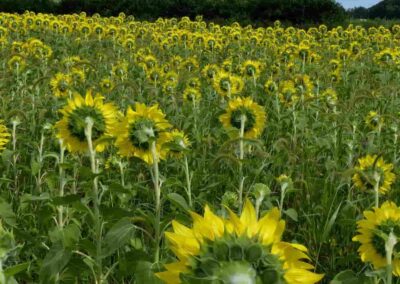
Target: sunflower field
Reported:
point(180, 151)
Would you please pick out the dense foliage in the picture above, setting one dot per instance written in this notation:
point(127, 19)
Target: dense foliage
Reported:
point(248, 11)
point(117, 134)
point(386, 9)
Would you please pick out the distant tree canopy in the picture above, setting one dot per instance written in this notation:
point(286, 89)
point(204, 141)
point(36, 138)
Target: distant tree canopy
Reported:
point(293, 11)
point(387, 9)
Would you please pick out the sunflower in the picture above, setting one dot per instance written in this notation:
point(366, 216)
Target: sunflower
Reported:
point(139, 129)
point(236, 250)
point(191, 94)
point(120, 70)
point(369, 167)
point(3, 136)
point(227, 84)
point(61, 84)
point(77, 75)
point(209, 71)
point(288, 93)
point(374, 120)
point(179, 144)
point(107, 84)
point(253, 114)
point(330, 97)
point(251, 68)
point(71, 128)
point(373, 230)
point(16, 64)
point(270, 87)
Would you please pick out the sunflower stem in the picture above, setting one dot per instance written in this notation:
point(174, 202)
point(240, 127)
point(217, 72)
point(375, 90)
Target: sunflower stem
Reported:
point(389, 246)
point(97, 220)
point(377, 179)
point(15, 123)
point(157, 190)
point(40, 161)
point(241, 157)
point(61, 175)
point(188, 182)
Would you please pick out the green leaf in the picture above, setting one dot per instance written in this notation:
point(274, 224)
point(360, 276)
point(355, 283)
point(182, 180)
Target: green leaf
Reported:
point(328, 226)
point(349, 277)
point(13, 270)
point(145, 274)
point(7, 214)
point(178, 200)
point(119, 235)
point(292, 214)
point(54, 262)
point(116, 187)
point(29, 197)
point(66, 200)
point(35, 167)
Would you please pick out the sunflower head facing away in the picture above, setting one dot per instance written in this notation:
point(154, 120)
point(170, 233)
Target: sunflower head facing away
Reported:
point(374, 120)
point(4, 136)
point(244, 108)
point(140, 128)
point(373, 230)
point(372, 169)
point(71, 128)
point(236, 250)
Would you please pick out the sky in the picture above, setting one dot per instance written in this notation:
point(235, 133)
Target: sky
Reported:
point(357, 3)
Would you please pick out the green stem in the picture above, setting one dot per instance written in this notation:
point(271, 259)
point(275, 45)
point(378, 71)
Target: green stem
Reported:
point(157, 190)
point(61, 175)
point(188, 182)
point(376, 189)
point(15, 122)
point(241, 157)
point(2, 275)
point(389, 246)
point(96, 200)
point(40, 161)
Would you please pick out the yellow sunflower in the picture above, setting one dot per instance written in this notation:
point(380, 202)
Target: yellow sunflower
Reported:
point(374, 120)
point(373, 229)
point(71, 128)
point(191, 94)
point(270, 87)
point(4, 136)
point(16, 64)
point(288, 93)
point(227, 84)
point(253, 114)
point(371, 167)
point(61, 84)
point(107, 84)
point(139, 129)
point(236, 250)
point(179, 144)
point(251, 68)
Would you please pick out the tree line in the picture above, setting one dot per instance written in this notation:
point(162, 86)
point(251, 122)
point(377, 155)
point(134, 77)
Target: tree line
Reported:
point(243, 11)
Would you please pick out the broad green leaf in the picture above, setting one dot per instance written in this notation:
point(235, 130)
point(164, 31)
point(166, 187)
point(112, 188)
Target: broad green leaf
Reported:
point(13, 270)
point(6, 213)
point(292, 214)
point(145, 274)
point(178, 200)
point(119, 235)
point(54, 262)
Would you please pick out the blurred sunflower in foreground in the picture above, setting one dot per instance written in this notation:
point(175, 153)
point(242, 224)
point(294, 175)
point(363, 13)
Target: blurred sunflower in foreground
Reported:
point(374, 231)
point(241, 249)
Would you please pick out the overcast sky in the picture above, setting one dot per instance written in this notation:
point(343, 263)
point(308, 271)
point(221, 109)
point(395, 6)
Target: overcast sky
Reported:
point(357, 3)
